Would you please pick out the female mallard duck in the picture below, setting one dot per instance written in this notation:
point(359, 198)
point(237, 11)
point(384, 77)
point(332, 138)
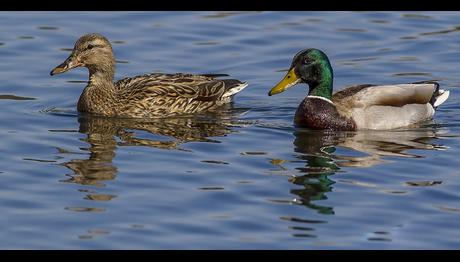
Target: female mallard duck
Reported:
point(356, 107)
point(151, 95)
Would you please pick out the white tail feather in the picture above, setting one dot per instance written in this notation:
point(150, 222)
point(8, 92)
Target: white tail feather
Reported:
point(235, 90)
point(441, 98)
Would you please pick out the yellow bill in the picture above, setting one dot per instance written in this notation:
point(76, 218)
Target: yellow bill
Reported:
point(289, 80)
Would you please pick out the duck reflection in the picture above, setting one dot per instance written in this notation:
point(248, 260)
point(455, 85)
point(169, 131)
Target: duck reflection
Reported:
point(104, 135)
point(318, 149)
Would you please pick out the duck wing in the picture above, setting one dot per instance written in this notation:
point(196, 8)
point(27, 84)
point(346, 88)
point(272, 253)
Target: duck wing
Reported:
point(386, 95)
point(382, 107)
point(196, 87)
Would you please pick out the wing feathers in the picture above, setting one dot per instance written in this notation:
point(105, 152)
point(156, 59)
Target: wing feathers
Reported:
point(392, 95)
point(197, 87)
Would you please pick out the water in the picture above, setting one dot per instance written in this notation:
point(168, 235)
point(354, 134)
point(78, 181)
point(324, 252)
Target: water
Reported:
point(243, 178)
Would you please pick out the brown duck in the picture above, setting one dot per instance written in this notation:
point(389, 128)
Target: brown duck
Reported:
point(150, 95)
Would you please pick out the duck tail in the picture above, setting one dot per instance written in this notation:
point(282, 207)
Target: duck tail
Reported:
point(439, 96)
point(235, 89)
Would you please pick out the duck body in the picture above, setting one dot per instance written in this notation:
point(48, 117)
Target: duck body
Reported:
point(376, 107)
point(145, 96)
point(370, 107)
point(159, 95)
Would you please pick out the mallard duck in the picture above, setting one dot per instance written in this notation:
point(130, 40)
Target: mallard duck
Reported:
point(150, 95)
point(377, 107)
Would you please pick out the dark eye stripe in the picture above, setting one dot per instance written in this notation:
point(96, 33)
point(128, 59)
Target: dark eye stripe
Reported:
point(90, 46)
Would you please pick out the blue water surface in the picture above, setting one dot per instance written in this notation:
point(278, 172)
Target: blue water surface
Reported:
point(243, 178)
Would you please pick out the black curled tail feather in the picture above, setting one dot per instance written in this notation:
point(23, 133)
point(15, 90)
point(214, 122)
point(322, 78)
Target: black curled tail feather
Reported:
point(435, 94)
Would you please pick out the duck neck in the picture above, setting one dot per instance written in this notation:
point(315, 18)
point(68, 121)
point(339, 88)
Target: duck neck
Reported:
point(102, 76)
point(323, 83)
point(100, 94)
point(323, 89)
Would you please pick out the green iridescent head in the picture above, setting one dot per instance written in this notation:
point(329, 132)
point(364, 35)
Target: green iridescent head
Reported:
point(310, 66)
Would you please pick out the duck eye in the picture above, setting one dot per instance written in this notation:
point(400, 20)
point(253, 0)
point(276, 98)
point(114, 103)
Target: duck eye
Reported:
point(90, 46)
point(307, 61)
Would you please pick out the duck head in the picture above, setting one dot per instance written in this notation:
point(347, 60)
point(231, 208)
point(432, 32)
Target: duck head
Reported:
point(92, 51)
point(310, 66)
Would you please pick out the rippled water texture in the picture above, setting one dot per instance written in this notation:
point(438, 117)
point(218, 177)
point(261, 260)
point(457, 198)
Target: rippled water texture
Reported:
point(242, 178)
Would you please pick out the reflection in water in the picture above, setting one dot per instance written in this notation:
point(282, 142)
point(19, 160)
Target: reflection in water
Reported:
point(417, 16)
point(453, 30)
point(15, 97)
point(357, 30)
point(318, 150)
point(48, 28)
point(104, 135)
point(223, 14)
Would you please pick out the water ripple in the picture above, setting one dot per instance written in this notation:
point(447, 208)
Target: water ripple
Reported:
point(244, 177)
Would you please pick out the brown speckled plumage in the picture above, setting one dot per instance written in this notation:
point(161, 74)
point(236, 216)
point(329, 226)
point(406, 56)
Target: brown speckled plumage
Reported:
point(150, 95)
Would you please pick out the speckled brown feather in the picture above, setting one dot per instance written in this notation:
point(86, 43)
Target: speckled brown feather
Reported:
point(146, 96)
point(155, 95)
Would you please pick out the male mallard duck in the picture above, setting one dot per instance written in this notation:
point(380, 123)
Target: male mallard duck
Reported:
point(356, 107)
point(150, 95)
